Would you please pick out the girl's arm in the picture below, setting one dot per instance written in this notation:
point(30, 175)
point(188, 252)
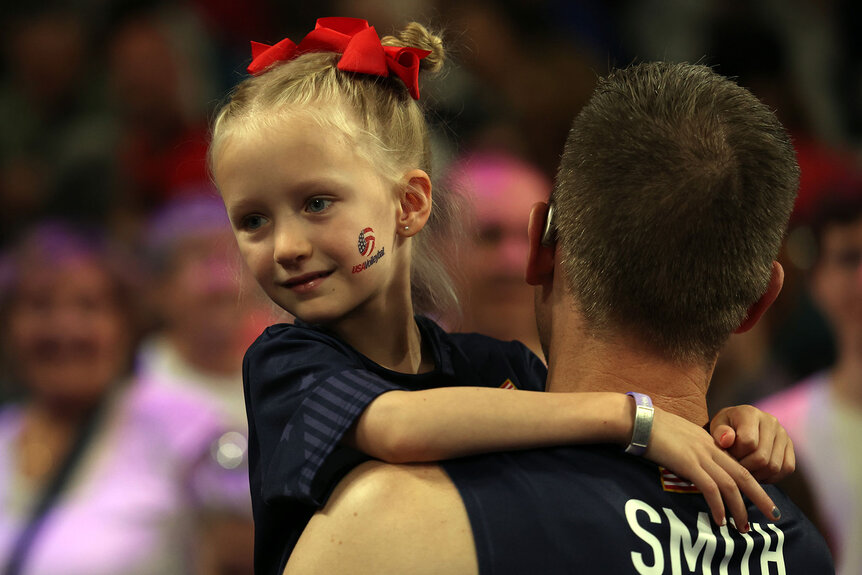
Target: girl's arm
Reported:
point(449, 422)
point(443, 423)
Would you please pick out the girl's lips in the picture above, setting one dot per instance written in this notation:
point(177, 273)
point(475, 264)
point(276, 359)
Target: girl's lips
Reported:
point(306, 282)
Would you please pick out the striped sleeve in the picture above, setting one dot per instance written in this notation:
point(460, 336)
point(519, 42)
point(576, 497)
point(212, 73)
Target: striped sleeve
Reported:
point(304, 396)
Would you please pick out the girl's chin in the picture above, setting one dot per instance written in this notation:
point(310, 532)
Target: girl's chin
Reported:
point(316, 317)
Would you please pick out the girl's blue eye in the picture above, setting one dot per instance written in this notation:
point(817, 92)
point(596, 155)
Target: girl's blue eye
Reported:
point(317, 205)
point(252, 223)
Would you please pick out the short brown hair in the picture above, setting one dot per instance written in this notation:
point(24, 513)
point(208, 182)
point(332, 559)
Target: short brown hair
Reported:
point(671, 201)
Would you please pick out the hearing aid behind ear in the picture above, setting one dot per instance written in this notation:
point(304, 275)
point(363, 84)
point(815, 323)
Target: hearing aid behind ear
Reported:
point(549, 234)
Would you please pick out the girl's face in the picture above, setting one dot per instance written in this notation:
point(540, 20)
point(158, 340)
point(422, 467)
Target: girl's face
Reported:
point(315, 222)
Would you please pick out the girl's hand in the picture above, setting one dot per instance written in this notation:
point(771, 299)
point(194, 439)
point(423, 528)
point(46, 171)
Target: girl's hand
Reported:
point(757, 440)
point(689, 451)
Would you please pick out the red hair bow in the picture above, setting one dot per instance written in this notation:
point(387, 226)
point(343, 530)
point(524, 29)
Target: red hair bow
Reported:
point(359, 46)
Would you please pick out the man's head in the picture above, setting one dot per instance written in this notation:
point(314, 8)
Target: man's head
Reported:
point(671, 203)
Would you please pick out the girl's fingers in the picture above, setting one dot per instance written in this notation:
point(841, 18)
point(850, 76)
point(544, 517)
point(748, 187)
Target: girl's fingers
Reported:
point(789, 458)
point(766, 466)
point(776, 465)
point(724, 435)
point(730, 490)
point(748, 433)
point(709, 488)
point(758, 459)
point(755, 492)
point(718, 476)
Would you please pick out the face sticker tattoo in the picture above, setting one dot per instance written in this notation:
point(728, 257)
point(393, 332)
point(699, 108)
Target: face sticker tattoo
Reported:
point(366, 242)
point(366, 247)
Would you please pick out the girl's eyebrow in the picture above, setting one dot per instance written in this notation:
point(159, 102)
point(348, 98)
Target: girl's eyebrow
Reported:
point(326, 186)
point(240, 207)
point(334, 179)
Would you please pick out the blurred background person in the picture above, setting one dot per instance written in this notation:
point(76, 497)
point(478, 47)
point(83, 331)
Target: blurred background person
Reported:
point(523, 70)
point(823, 413)
point(205, 310)
point(102, 473)
point(204, 313)
point(500, 188)
point(159, 79)
point(54, 148)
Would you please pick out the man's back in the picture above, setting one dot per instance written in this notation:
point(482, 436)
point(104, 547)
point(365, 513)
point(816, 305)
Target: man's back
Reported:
point(550, 511)
point(544, 511)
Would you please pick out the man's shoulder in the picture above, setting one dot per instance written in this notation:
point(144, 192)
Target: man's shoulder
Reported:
point(402, 519)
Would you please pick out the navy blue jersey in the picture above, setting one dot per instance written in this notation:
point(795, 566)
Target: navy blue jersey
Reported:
point(594, 509)
point(304, 388)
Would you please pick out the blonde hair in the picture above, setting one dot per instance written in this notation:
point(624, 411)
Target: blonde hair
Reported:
point(384, 124)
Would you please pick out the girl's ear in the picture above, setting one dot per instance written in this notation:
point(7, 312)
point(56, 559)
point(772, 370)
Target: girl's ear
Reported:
point(415, 199)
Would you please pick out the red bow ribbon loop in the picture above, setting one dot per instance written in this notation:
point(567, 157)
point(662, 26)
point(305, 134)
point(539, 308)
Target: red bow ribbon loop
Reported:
point(359, 46)
point(263, 56)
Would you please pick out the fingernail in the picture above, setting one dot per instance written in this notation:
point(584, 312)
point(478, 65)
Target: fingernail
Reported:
point(745, 528)
point(723, 435)
point(776, 514)
point(723, 521)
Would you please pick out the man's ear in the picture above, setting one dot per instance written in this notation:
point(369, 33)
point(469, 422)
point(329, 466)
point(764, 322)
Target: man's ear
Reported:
point(415, 199)
point(540, 263)
point(758, 308)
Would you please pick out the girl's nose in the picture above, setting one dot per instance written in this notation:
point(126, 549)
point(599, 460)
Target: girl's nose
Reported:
point(291, 245)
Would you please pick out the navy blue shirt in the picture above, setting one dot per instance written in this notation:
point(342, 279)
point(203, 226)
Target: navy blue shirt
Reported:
point(595, 509)
point(304, 388)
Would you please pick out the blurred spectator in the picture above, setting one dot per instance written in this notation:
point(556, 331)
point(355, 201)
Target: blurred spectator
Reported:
point(159, 84)
point(55, 142)
point(802, 48)
point(492, 261)
point(520, 78)
point(789, 342)
point(230, 25)
point(207, 311)
point(823, 413)
point(763, 54)
point(103, 473)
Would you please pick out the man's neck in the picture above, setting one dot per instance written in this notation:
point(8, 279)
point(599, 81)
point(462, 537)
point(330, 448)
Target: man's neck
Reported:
point(588, 364)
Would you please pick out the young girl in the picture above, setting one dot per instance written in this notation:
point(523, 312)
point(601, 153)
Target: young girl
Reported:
point(322, 161)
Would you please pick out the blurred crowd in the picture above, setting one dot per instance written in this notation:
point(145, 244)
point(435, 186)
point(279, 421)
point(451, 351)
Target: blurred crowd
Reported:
point(125, 311)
